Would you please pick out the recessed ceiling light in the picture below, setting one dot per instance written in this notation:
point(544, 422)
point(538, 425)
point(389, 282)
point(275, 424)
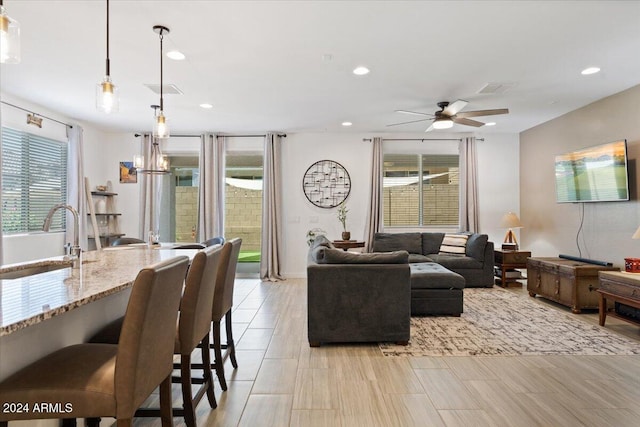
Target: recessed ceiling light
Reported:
point(490, 124)
point(175, 55)
point(206, 106)
point(360, 71)
point(590, 70)
point(346, 123)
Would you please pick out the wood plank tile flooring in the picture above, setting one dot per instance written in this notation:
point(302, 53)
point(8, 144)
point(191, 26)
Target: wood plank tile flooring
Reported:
point(281, 381)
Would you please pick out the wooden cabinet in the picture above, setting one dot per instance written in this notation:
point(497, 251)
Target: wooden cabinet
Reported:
point(106, 215)
point(624, 290)
point(507, 264)
point(568, 282)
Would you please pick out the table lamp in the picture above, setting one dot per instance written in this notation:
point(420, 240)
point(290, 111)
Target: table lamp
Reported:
point(510, 220)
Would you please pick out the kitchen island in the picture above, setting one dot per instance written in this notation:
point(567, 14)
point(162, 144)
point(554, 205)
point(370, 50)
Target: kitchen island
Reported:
point(42, 312)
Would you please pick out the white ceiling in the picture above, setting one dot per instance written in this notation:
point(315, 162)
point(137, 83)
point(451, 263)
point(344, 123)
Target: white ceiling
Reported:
point(262, 64)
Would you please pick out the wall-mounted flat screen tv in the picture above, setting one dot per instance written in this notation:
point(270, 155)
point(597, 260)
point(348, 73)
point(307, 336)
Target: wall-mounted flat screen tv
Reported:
point(594, 174)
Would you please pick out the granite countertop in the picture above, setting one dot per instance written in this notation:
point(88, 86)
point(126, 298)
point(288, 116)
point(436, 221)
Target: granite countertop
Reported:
point(26, 301)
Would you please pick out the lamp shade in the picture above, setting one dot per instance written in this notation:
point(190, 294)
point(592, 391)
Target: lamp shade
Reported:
point(636, 235)
point(510, 220)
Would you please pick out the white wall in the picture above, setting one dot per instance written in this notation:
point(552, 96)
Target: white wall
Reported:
point(20, 248)
point(497, 176)
point(551, 228)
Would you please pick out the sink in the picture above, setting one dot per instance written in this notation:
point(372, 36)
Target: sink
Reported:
point(33, 269)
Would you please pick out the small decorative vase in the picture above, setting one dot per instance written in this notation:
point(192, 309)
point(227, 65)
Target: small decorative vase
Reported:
point(346, 235)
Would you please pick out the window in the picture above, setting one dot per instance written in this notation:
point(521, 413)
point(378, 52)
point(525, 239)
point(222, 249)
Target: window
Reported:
point(34, 179)
point(421, 190)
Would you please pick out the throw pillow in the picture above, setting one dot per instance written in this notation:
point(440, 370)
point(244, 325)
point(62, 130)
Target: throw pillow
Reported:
point(454, 244)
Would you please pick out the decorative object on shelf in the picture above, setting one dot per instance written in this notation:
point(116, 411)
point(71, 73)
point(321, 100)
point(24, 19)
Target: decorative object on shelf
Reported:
point(510, 220)
point(313, 233)
point(632, 265)
point(342, 217)
point(326, 184)
point(9, 38)
point(128, 173)
point(107, 99)
point(101, 188)
point(161, 128)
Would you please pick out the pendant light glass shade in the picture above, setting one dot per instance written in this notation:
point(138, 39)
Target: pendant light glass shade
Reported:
point(161, 126)
point(9, 38)
point(107, 97)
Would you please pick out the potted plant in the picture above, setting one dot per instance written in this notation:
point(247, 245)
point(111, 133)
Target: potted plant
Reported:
point(342, 217)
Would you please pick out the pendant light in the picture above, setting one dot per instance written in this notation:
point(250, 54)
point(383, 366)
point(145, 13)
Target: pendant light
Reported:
point(106, 92)
point(9, 38)
point(157, 163)
point(161, 127)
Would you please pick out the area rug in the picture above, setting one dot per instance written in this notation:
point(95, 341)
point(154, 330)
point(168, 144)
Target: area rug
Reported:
point(497, 322)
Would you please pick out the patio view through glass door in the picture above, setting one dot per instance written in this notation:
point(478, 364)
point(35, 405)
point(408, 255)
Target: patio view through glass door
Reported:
point(243, 203)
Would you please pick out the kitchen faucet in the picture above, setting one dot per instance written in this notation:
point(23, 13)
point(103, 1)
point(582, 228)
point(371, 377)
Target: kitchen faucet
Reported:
point(75, 249)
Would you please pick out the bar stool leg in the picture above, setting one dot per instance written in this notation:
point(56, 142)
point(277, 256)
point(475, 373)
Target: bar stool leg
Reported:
point(218, 360)
point(187, 396)
point(206, 372)
point(231, 347)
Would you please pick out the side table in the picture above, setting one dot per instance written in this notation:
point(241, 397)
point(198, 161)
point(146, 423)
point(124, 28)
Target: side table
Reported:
point(620, 287)
point(506, 264)
point(348, 244)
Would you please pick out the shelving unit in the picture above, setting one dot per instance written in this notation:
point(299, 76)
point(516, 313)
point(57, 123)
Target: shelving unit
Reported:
point(107, 221)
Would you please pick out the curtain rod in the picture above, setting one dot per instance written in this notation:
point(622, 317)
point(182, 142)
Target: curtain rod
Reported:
point(283, 135)
point(420, 139)
point(36, 114)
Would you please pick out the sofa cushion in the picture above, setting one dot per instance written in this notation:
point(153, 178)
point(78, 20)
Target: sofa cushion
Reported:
point(454, 244)
point(324, 255)
point(429, 275)
point(431, 243)
point(476, 245)
point(413, 258)
point(388, 242)
point(457, 262)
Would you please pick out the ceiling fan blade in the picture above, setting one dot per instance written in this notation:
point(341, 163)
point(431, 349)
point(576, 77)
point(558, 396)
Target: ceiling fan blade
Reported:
point(452, 109)
point(468, 122)
point(404, 123)
point(483, 113)
point(413, 112)
point(429, 129)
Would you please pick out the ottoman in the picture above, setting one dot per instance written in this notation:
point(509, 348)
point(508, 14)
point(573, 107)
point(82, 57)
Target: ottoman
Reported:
point(435, 290)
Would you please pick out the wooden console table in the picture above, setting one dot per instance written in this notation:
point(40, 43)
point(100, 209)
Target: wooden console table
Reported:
point(348, 244)
point(568, 282)
point(619, 287)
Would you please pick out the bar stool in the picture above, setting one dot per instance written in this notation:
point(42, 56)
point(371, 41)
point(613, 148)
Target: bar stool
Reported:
point(107, 380)
point(193, 328)
point(222, 304)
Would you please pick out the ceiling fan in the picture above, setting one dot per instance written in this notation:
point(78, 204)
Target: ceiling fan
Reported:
point(450, 114)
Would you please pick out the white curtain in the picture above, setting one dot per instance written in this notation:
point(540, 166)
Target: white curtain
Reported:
point(468, 185)
point(150, 194)
point(271, 205)
point(374, 213)
point(76, 195)
point(1, 232)
point(211, 191)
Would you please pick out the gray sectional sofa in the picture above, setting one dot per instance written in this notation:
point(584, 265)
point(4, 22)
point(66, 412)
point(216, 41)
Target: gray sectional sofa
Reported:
point(476, 266)
point(357, 297)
